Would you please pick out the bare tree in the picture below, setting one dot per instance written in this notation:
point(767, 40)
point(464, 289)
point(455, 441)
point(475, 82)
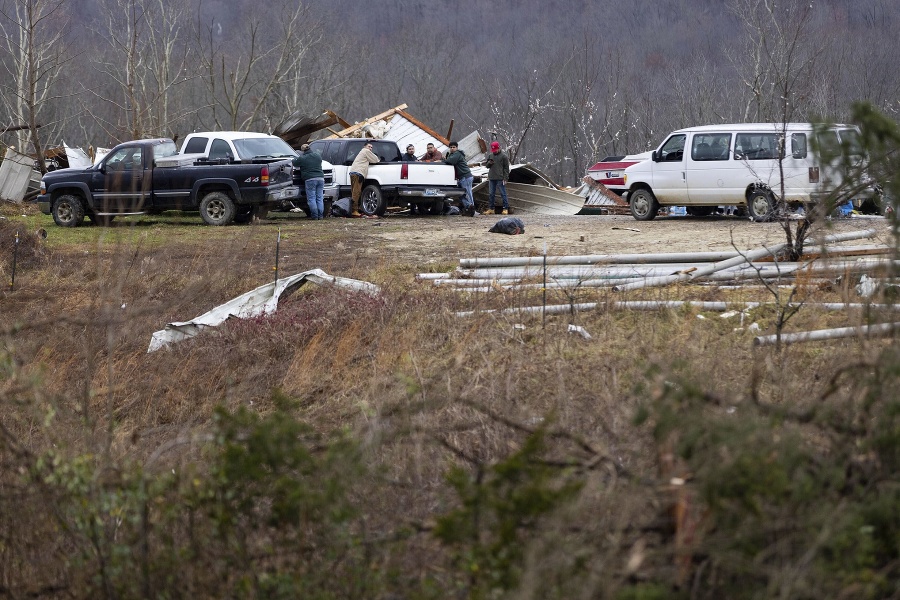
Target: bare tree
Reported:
point(516, 104)
point(783, 50)
point(34, 32)
point(242, 72)
point(148, 61)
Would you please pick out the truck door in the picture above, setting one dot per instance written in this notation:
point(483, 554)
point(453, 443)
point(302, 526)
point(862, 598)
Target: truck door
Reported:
point(125, 181)
point(669, 184)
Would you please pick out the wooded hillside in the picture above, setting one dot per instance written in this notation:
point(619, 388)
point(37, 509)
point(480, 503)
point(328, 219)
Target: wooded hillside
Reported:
point(561, 83)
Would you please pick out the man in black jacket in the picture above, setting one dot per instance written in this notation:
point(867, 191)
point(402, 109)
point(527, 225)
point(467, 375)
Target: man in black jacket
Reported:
point(457, 158)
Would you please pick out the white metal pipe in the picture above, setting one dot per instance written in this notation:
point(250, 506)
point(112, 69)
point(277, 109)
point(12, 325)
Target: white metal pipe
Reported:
point(824, 265)
point(591, 259)
point(663, 257)
point(846, 236)
point(879, 329)
point(703, 271)
point(766, 271)
point(674, 304)
point(747, 257)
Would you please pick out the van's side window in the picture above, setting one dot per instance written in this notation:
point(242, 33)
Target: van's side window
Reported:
point(828, 144)
point(673, 149)
point(756, 146)
point(798, 145)
point(710, 146)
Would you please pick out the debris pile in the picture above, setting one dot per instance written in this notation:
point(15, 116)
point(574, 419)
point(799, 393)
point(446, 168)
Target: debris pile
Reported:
point(824, 264)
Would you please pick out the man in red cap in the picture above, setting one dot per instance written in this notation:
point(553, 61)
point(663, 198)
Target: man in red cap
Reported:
point(498, 175)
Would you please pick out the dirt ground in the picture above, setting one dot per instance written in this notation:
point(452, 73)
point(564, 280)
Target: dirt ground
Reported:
point(425, 240)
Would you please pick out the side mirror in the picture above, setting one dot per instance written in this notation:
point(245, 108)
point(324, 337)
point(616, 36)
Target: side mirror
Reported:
point(654, 156)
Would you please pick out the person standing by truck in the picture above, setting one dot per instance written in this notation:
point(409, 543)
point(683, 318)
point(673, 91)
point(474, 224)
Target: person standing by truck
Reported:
point(309, 162)
point(498, 175)
point(457, 158)
point(358, 171)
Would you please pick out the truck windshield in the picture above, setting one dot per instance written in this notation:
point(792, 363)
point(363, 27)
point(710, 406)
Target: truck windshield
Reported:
point(269, 147)
point(165, 149)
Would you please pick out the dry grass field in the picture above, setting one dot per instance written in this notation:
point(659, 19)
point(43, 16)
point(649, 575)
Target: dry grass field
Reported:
point(421, 391)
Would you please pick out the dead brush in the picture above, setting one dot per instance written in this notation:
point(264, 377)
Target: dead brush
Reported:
point(422, 389)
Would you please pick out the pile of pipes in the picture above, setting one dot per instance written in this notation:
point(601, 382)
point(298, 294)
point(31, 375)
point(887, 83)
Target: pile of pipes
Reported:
point(623, 272)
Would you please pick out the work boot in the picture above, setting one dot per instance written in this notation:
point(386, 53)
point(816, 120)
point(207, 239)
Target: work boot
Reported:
point(356, 215)
point(505, 212)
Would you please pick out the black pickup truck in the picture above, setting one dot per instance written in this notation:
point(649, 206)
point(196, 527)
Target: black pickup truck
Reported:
point(149, 176)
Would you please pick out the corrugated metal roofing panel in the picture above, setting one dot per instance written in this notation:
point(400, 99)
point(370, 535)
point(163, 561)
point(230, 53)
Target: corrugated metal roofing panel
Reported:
point(405, 132)
point(15, 173)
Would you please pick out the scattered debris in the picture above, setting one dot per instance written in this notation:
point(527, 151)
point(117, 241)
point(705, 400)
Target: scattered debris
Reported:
point(528, 189)
point(580, 331)
point(260, 301)
point(509, 226)
point(868, 287)
point(16, 175)
point(627, 229)
point(598, 199)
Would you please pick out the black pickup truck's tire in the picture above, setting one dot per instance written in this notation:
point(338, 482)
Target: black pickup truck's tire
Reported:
point(217, 208)
point(371, 202)
point(68, 211)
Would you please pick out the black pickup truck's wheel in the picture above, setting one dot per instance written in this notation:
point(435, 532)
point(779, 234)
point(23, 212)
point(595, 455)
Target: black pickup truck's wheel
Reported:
point(217, 208)
point(371, 202)
point(68, 211)
point(643, 204)
point(761, 206)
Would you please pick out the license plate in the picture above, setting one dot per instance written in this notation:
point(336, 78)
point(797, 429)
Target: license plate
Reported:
point(431, 192)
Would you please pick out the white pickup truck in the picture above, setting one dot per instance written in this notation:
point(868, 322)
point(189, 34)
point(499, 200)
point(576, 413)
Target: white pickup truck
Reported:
point(248, 146)
point(391, 182)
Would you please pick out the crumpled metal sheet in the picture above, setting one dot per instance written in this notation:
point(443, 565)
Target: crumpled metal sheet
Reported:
point(261, 301)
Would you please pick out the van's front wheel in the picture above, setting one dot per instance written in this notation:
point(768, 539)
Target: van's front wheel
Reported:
point(760, 206)
point(644, 206)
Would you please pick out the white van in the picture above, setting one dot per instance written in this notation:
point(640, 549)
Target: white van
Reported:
point(704, 167)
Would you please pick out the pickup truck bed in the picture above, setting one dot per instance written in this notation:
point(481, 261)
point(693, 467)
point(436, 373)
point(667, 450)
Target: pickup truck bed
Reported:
point(391, 182)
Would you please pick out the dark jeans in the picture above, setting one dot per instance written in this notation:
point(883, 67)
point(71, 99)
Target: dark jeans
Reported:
point(493, 184)
point(314, 189)
point(466, 183)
